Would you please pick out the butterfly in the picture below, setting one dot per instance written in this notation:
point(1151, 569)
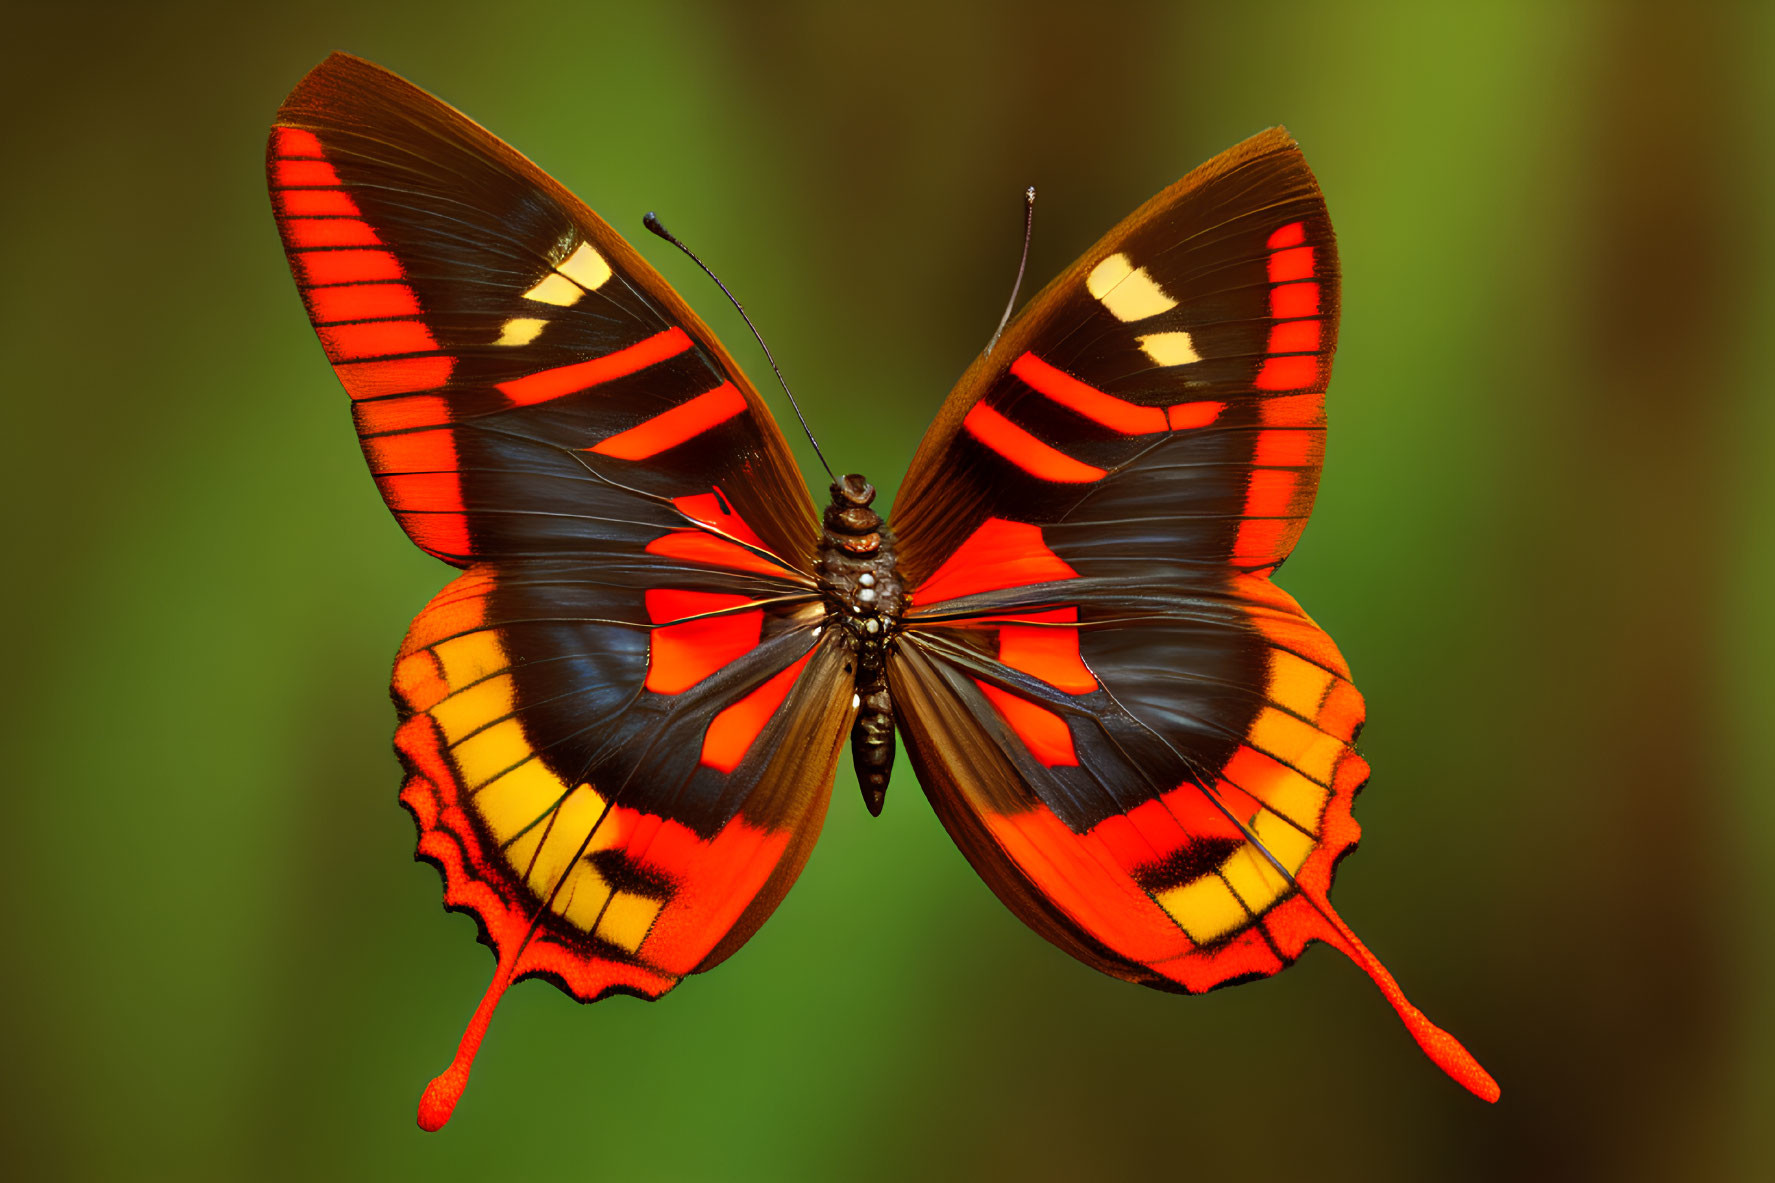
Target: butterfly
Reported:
point(621, 722)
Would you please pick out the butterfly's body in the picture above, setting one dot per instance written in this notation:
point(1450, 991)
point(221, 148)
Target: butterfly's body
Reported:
point(864, 602)
point(621, 721)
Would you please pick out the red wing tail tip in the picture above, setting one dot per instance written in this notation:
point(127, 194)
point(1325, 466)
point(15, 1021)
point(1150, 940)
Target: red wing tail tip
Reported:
point(440, 1097)
point(1449, 1055)
point(1444, 1050)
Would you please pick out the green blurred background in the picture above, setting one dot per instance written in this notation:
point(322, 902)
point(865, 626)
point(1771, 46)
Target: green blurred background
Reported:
point(1546, 541)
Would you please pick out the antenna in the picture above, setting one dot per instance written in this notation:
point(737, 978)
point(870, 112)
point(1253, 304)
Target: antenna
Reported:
point(652, 222)
point(1028, 229)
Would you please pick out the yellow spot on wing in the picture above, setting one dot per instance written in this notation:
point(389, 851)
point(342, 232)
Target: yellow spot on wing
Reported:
point(1170, 349)
point(1204, 909)
point(488, 754)
point(470, 657)
point(566, 839)
point(586, 267)
point(1107, 274)
point(1128, 292)
point(518, 798)
point(521, 330)
point(627, 920)
point(555, 288)
point(1252, 878)
point(474, 707)
point(1286, 842)
point(1297, 684)
point(583, 897)
point(1298, 744)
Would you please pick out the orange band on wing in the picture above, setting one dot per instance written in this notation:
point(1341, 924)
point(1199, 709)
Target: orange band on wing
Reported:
point(1046, 652)
point(1288, 373)
point(712, 509)
point(733, 731)
point(1284, 449)
point(548, 384)
point(378, 379)
point(1188, 415)
point(319, 232)
point(681, 655)
point(1044, 733)
point(1024, 450)
point(294, 203)
point(1105, 409)
point(376, 338)
point(404, 413)
point(307, 174)
point(369, 301)
point(670, 428)
point(695, 546)
point(346, 266)
point(999, 554)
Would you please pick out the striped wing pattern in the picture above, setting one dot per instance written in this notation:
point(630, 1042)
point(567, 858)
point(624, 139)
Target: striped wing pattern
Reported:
point(1142, 744)
point(619, 724)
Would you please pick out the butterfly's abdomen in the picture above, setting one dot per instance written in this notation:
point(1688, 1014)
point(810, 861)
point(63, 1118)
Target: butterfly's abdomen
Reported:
point(864, 599)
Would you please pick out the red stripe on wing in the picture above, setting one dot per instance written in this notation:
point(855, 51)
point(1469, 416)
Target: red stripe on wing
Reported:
point(429, 510)
point(406, 375)
point(319, 268)
point(1046, 652)
point(400, 414)
point(670, 428)
point(376, 338)
point(733, 732)
point(681, 655)
point(999, 554)
point(1188, 415)
point(310, 233)
point(1024, 450)
point(1105, 409)
point(694, 546)
point(292, 203)
point(1043, 732)
point(563, 380)
point(370, 301)
point(712, 509)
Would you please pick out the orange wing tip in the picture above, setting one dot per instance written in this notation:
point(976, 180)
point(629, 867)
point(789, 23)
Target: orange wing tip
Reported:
point(1444, 1050)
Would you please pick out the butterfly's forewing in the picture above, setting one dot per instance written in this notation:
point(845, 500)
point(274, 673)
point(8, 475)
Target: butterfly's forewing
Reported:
point(1141, 743)
point(503, 346)
point(620, 722)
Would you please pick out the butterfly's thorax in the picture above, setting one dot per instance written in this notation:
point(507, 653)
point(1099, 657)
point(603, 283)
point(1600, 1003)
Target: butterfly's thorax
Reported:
point(864, 600)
